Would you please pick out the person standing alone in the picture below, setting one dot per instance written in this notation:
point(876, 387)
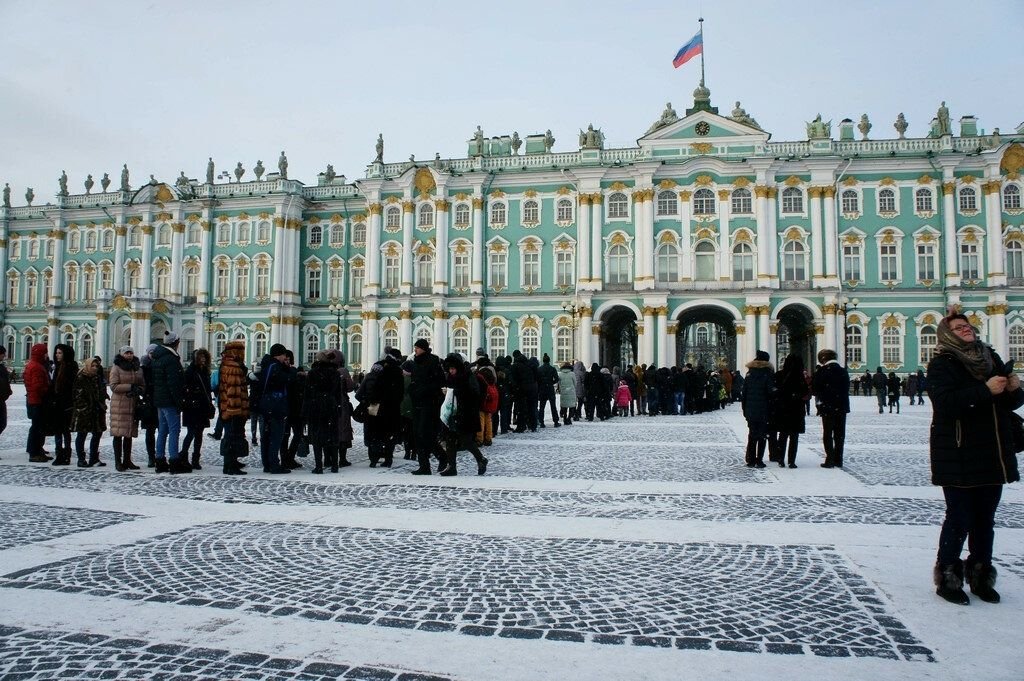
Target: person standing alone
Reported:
point(831, 386)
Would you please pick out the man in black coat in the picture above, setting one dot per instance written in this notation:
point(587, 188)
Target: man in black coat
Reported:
point(523, 382)
point(271, 399)
point(425, 390)
point(880, 383)
point(831, 385)
point(547, 379)
point(168, 396)
point(758, 394)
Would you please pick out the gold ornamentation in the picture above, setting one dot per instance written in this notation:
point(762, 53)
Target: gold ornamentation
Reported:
point(1013, 161)
point(992, 187)
point(460, 323)
point(704, 181)
point(742, 236)
point(563, 191)
point(773, 327)
point(424, 181)
point(476, 313)
point(138, 316)
point(147, 229)
point(647, 311)
point(530, 193)
point(161, 307)
point(668, 237)
point(597, 199)
point(374, 208)
point(661, 311)
point(761, 191)
point(819, 329)
point(970, 237)
point(667, 184)
point(723, 194)
point(164, 194)
point(749, 310)
point(368, 315)
point(595, 329)
point(928, 319)
point(405, 313)
point(704, 233)
point(924, 179)
point(497, 194)
point(968, 179)
point(618, 239)
point(814, 192)
point(793, 234)
point(313, 219)
point(530, 323)
point(702, 147)
point(392, 200)
point(997, 308)
point(793, 181)
point(891, 322)
point(828, 191)
point(685, 195)
point(948, 188)
point(829, 309)
point(741, 182)
point(135, 220)
point(886, 181)
point(617, 186)
point(763, 309)
point(496, 247)
point(102, 316)
point(975, 320)
point(359, 217)
point(851, 181)
point(888, 237)
point(741, 329)
point(772, 192)
point(178, 227)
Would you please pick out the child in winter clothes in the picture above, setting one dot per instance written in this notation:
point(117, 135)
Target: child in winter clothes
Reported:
point(893, 386)
point(622, 399)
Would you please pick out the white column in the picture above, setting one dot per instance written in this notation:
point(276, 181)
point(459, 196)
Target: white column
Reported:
point(773, 328)
point(750, 315)
point(724, 214)
point(583, 245)
point(820, 336)
point(949, 229)
point(440, 344)
point(996, 269)
point(773, 230)
point(405, 331)
point(670, 344)
point(177, 257)
point(661, 323)
point(742, 341)
point(206, 263)
point(101, 347)
point(596, 240)
point(476, 331)
point(648, 238)
point(638, 241)
point(765, 340)
point(57, 285)
point(479, 247)
point(685, 240)
point(583, 337)
point(647, 346)
point(371, 339)
point(765, 240)
point(831, 234)
point(997, 328)
point(120, 237)
point(440, 286)
point(831, 324)
point(147, 257)
point(277, 273)
point(372, 285)
point(817, 256)
point(408, 217)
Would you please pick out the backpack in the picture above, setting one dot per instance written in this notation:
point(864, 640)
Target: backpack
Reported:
point(490, 402)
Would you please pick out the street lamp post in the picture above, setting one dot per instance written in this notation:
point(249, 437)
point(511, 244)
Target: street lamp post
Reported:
point(844, 305)
point(573, 310)
point(209, 314)
point(340, 319)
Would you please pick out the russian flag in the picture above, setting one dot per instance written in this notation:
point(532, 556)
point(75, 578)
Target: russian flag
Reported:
point(688, 51)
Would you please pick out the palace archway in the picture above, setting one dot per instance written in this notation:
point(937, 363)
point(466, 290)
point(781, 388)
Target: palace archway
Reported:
point(706, 338)
point(618, 346)
point(796, 335)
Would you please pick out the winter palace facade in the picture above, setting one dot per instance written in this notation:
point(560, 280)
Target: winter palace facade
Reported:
point(702, 243)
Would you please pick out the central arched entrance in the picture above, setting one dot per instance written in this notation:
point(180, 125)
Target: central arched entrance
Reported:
point(618, 338)
point(796, 335)
point(706, 338)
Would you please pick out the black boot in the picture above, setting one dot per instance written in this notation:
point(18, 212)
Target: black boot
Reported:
point(118, 466)
point(332, 461)
point(151, 463)
point(82, 463)
point(160, 465)
point(982, 578)
point(342, 460)
point(424, 461)
point(195, 462)
point(949, 582)
point(318, 460)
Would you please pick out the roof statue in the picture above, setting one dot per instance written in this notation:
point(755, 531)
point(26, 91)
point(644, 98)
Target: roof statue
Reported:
point(209, 171)
point(379, 149)
point(259, 170)
point(901, 125)
point(945, 128)
point(864, 126)
point(701, 100)
point(517, 142)
point(62, 181)
point(477, 143)
point(282, 166)
point(591, 138)
point(239, 171)
point(124, 179)
point(668, 117)
point(89, 184)
point(549, 141)
point(29, 196)
point(740, 116)
point(329, 174)
point(7, 195)
point(819, 130)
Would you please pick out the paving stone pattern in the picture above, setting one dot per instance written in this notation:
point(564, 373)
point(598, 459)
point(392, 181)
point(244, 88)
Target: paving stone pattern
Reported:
point(775, 599)
point(27, 654)
point(624, 505)
point(25, 523)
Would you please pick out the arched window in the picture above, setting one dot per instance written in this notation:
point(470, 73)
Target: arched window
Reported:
point(462, 214)
point(497, 268)
point(390, 338)
point(74, 243)
point(223, 233)
point(742, 203)
point(193, 234)
point(259, 344)
point(392, 270)
point(460, 342)
point(565, 267)
point(618, 206)
point(498, 213)
point(90, 240)
point(393, 218)
point(106, 275)
point(1014, 259)
point(71, 284)
point(497, 342)
point(162, 279)
point(794, 266)
point(313, 280)
point(108, 240)
point(359, 234)
point(1016, 345)
point(426, 218)
point(163, 235)
point(337, 234)
point(531, 212)
point(564, 210)
point(242, 279)
point(423, 274)
point(854, 344)
point(886, 201)
point(1011, 197)
point(923, 200)
point(263, 232)
point(31, 289)
point(742, 262)
point(424, 333)
point(13, 289)
point(312, 347)
point(704, 256)
point(335, 279)
point(792, 200)
point(667, 264)
point(703, 202)
point(135, 237)
point(355, 349)
point(316, 236)
point(563, 345)
point(87, 348)
point(892, 345)
point(244, 233)
point(968, 200)
point(851, 201)
point(134, 282)
point(89, 283)
point(926, 341)
point(530, 342)
point(618, 264)
point(668, 204)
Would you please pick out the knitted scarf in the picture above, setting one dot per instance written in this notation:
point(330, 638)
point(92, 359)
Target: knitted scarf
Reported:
point(976, 356)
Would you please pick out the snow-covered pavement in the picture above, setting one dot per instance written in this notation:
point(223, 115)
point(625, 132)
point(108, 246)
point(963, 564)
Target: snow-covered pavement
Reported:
point(639, 548)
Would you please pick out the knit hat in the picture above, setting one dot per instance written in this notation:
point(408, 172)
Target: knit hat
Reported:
point(125, 349)
point(408, 366)
point(422, 344)
point(394, 352)
point(546, 359)
point(277, 349)
point(762, 356)
point(171, 338)
point(151, 348)
point(480, 352)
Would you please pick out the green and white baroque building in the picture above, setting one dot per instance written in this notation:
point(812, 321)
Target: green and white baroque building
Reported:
point(703, 243)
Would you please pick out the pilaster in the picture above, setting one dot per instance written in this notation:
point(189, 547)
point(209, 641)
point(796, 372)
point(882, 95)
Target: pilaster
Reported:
point(992, 192)
point(583, 246)
point(408, 225)
point(817, 254)
point(476, 286)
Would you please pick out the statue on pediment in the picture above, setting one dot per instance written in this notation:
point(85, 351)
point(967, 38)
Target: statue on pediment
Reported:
point(282, 166)
point(329, 174)
point(478, 142)
point(62, 181)
point(864, 126)
point(124, 179)
point(379, 148)
point(89, 184)
point(29, 196)
point(740, 115)
point(668, 117)
point(259, 170)
point(239, 171)
point(7, 195)
point(549, 141)
point(517, 142)
point(209, 171)
point(945, 127)
point(591, 138)
point(818, 129)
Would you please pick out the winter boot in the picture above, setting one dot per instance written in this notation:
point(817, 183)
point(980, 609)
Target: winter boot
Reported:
point(118, 466)
point(94, 460)
point(318, 460)
point(332, 461)
point(424, 460)
point(151, 463)
point(82, 463)
point(982, 578)
point(342, 459)
point(126, 460)
point(949, 582)
point(160, 465)
point(195, 462)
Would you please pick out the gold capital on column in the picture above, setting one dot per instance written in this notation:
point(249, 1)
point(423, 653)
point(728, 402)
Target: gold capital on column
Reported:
point(997, 308)
point(647, 311)
point(584, 199)
point(408, 207)
point(829, 309)
point(442, 205)
point(814, 192)
point(685, 195)
point(595, 329)
point(750, 309)
point(948, 188)
point(828, 191)
point(374, 208)
point(476, 313)
point(596, 199)
point(723, 194)
point(761, 191)
point(405, 314)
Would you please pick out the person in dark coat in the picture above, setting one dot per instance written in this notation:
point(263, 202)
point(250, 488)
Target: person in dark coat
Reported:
point(651, 384)
point(345, 433)
point(880, 384)
point(831, 386)
point(293, 426)
point(972, 450)
point(320, 398)
point(89, 412)
point(5, 388)
point(428, 378)
point(893, 388)
point(233, 405)
point(920, 385)
point(866, 382)
point(272, 401)
point(197, 407)
point(147, 408)
point(384, 387)
point(629, 378)
point(168, 396)
point(791, 396)
point(462, 433)
point(758, 395)
point(407, 438)
point(63, 374)
point(505, 397)
point(37, 392)
point(523, 382)
point(594, 388)
point(547, 380)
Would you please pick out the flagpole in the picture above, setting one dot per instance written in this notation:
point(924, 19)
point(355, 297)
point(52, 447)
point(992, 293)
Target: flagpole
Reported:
point(701, 22)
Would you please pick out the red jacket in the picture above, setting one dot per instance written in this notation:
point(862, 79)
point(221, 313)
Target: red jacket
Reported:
point(36, 377)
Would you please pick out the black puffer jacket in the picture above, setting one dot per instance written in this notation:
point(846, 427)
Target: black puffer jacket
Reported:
point(971, 441)
point(758, 391)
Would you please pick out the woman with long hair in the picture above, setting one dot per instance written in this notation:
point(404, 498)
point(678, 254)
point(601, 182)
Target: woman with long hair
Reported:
point(63, 374)
point(789, 412)
point(127, 386)
point(89, 412)
point(198, 407)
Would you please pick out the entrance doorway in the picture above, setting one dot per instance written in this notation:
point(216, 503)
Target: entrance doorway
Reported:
point(618, 345)
point(706, 338)
point(796, 335)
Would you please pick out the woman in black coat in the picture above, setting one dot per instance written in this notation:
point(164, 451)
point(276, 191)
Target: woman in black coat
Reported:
point(198, 405)
point(972, 450)
point(789, 409)
point(467, 414)
point(757, 398)
point(64, 373)
point(594, 387)
point(320, 397)
point(385, 387)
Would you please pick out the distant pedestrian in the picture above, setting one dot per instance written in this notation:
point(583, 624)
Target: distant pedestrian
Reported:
point(831, 388)
point(758, 394)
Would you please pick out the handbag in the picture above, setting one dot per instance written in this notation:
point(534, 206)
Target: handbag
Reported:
point(448, 410)
point(302, 451)
point(359, 413)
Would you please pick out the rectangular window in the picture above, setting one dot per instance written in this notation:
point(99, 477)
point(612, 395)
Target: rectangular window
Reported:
point(460, 271)
point(851, 262)
point(743, 265)
point(242, 281)
point(497, 270)
point(313, 284)
point(221, 283)
point(47, 288)
point(12, 290)
point(565, 270)
point(334, 278)
point(358, 277)
point(88, 286)
point(392, 272)
point(889, 265)
point(926, 269)
point(531, 269)
point(892, 346)
point(192, 282)
point(970, 268)
point(926, 345)
point(30, 291)
point(262, 281)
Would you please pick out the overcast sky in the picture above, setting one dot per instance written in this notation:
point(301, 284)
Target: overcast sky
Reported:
point(87, 86)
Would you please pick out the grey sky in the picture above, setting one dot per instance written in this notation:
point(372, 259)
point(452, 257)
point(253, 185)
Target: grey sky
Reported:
point(87, 86)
